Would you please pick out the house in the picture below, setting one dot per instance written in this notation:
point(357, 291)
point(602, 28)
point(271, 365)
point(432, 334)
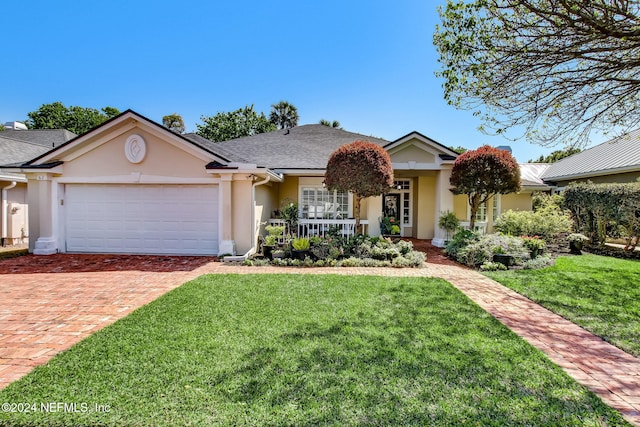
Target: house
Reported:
point(132, 186)
point(617, 160)
point(18, 145)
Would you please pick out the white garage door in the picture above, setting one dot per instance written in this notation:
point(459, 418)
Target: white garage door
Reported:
point(142, 219)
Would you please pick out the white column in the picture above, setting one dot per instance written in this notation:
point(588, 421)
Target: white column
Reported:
point(444, 202)
point(227, 244)
point(46, 242)
point(374, 212)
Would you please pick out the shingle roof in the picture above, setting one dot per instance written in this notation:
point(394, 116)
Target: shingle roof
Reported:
point(619, 154)
point(301, 147)
point(214, 148)
point(46, 137)
point(14, 151)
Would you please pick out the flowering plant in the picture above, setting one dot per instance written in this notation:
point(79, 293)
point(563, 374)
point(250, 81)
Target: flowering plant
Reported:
point(388, 225)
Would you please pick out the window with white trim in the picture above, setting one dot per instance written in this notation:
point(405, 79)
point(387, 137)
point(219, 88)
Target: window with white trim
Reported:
point(403, 186)
point(320, 203)
point(481, 214)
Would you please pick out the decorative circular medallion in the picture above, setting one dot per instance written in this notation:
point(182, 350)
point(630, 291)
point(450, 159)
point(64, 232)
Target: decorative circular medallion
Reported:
point(135, 148)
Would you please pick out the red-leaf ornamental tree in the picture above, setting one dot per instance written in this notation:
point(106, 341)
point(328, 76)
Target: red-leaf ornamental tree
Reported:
point(483, 173)
point(362, 168)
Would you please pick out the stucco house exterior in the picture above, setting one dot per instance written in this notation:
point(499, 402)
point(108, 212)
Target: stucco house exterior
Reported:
point(132, 186)
point(17, 147)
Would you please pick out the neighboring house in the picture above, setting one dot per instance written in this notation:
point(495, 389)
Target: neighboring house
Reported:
point(17, 147)
point(132, 186)
point(617, 160)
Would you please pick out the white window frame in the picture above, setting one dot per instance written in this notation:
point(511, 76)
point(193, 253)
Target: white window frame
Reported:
point(495, 206)
point(316, 187)
point(408, 192)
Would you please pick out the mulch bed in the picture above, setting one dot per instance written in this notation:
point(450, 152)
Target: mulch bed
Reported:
point(434, 254)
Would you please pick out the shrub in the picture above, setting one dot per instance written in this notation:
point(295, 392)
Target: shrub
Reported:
point(478, 252)
point(547, 221)
point(600, 209)
point(493, 266)
point(461, 239)
point(539, 262)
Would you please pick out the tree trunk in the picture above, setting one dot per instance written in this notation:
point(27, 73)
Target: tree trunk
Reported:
point(356, 213)
point(474, 203)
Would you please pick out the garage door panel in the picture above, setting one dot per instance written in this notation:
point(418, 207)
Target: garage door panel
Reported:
point(170, 219)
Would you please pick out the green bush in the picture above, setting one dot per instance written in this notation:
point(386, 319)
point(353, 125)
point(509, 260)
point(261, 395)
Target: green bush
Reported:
point(478, 252)
point(601, 210)
point(493, 266)
point(537, 263)
point(548, 221)
point(461, 239)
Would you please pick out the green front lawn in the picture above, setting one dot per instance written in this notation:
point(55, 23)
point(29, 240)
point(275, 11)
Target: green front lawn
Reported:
point(601, 294)
point(307, 350)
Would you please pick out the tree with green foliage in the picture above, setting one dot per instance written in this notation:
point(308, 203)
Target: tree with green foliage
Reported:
point(557, 69)
point(76, 119)
point(235, 124)
point(284, 115)
point(556, 155)
point(2, 127)
point(483, 173)
point(331, 124)
point(173, 122)
point(362, 168)
point(459, 149)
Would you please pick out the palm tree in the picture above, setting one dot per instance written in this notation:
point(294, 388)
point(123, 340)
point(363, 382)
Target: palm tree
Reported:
point(334, 124)
point(284, 115)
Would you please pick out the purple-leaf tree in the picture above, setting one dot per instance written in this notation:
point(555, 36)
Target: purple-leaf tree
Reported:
point(362, 168)
point(483, 173)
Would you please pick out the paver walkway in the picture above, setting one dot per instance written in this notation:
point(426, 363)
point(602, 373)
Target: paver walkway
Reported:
point(67, 297)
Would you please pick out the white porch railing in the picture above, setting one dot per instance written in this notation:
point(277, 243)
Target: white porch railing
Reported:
point(480, 227)
point(321, 227)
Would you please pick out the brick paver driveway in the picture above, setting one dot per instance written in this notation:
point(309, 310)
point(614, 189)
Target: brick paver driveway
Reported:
point(50, 303)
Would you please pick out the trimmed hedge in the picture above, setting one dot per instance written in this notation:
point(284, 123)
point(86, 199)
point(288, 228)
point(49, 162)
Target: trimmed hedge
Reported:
point(600, 210)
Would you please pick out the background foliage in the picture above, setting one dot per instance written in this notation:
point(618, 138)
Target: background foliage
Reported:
point(78, 120)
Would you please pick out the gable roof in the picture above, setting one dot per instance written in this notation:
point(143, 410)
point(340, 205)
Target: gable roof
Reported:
point(301, 147)
point(45, 137)
point(446, 152)
point(618, 155)
point(49, 157)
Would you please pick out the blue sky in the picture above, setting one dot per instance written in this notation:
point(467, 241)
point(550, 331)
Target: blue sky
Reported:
point(369, 64)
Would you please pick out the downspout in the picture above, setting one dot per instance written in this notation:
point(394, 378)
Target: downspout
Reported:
point(5, 211)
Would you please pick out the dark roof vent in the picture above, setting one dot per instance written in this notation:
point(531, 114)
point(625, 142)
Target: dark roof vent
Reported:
point(218, 165)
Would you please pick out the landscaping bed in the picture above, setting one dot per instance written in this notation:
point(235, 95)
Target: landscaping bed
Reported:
point(335, 250)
